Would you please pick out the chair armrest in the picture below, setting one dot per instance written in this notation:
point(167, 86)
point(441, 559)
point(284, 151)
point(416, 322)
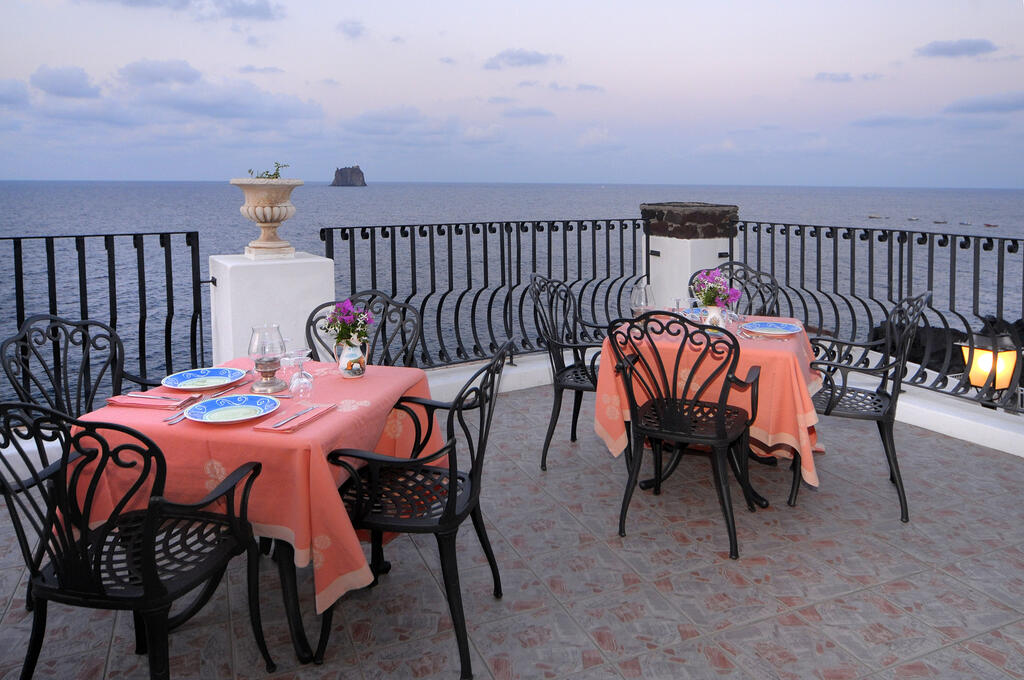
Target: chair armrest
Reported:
point(753, 377)
point(245, 474)
point(843, 351)
point(144, 382)
point(375, 462)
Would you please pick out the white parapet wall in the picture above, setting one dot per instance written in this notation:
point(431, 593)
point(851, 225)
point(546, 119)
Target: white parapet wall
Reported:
point(251, 293)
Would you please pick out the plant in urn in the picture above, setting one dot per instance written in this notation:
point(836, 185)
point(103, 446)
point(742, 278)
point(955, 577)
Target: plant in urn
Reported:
point(714, 293)
point(350, 327)
point(268, 204)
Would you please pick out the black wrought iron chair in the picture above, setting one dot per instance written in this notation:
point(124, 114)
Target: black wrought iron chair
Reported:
point(64, 364)
point(760, 290)
point(146, 552)
point(678, 376)
point(431, 493)
point(562, 330)
point(884, 361)
point(393, 336)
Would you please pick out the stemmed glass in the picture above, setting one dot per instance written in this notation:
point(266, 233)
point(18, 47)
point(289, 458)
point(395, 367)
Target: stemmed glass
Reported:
point(641, 299)
point(302, 381)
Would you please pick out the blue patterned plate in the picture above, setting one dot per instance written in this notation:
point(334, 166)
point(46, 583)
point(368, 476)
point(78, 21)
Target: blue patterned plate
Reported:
point(202, 378)
point(232, 409)
point(770, 328)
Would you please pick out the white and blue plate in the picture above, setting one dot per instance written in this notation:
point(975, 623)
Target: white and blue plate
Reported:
point(232, 409)
point(770, 328)
point(203, 378)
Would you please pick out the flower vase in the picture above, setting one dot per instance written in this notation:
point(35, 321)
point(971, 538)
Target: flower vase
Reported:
point(715, 317)
point(351, 360)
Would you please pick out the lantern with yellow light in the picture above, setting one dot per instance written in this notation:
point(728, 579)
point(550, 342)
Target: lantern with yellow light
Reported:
point(991, 362)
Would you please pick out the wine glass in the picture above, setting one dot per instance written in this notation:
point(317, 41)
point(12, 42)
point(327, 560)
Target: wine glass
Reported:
point(641, 299)
point(301, 385)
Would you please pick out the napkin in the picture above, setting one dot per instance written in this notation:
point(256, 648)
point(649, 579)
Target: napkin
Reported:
point(320, 410)
point(179, 401)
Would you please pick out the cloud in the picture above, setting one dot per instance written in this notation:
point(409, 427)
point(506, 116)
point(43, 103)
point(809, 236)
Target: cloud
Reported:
point(385, 121)
point(13, 93)
point(1005, 102)
point(101, 111)
point(397, 39)
point(594, 137)
point(517, 58)
point(483, 135)
point(526, 112)
point(557, 88)
point(500, 100)
point(825, 77)
point(967, 47)
point(66, 81)
point(403, 127)
point(528, 83)
point(587, 87)
point(972, 124)
point(150, 72)
point(871, 76)
point(893, 121)
point(239, 101)
point(352, 28)
point(257, 10)
point(447, 60)
point(249, 68)
point(329, 81)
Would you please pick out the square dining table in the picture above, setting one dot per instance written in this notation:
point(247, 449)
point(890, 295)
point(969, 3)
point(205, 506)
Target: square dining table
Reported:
point(295, 498)
point(786, 419)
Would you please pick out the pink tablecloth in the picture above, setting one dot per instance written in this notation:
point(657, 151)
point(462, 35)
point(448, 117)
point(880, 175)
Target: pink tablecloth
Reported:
point(786, 417)
point(295, 497)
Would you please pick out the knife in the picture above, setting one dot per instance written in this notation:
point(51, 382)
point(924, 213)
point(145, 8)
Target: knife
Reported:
point(293, 417)
point(141, 395)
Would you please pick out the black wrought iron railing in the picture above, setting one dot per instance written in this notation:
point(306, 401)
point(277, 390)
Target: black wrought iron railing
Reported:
point(843, 280)
point(469, 281)
point(145, 286)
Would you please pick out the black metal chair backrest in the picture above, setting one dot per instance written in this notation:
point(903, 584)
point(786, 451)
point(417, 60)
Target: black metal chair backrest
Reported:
point(557, 317)
point(469, 423)
point(68, 483)
point(63, 364)
point(901, 326)
point(759, 290)
point(394, 333)
point(683, 368)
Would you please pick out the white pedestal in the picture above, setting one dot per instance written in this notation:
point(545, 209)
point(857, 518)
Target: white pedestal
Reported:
point(677, 260)
point(254, 292)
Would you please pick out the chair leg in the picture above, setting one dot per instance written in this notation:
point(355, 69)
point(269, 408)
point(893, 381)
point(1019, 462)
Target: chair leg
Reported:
point(725, 500)
point(284, 556)
point(205, 593)
point(35, 643)
point(255, 618)
point(556, 407)
point(656, 454)
point(798, 477)
point(325, 634)
point(485, 543)
point(885, 429)
point(577, 402)
point(140, 632)
point(635, 456)
point(378, 565)
point(265, 545)
point(741, 472)
point(156, 641)
point(450, 572)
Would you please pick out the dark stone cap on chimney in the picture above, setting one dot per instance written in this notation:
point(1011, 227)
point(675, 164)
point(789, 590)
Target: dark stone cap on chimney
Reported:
point(690, 220)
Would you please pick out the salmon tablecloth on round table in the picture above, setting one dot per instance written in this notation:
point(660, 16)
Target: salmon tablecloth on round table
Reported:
point(295, 498)
point(786, 417)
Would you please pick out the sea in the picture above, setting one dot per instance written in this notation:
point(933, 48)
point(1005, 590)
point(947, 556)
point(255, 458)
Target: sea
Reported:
point(76, 207)
point(41, 208)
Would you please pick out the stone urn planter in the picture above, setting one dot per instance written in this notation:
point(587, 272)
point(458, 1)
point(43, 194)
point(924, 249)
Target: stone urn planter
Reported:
point(268, 204)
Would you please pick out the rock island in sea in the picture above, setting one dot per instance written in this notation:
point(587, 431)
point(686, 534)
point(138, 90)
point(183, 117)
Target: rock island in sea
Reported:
point(349, 177)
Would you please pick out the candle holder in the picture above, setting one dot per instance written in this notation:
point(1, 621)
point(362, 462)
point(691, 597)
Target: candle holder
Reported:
point(268, 382)
point(266, 347)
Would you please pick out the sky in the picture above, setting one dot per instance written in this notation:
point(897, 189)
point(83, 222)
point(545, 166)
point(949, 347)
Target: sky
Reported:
point(916, 93)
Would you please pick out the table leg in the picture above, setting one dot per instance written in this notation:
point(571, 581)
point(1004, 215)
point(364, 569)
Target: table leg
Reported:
point(284, 556)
